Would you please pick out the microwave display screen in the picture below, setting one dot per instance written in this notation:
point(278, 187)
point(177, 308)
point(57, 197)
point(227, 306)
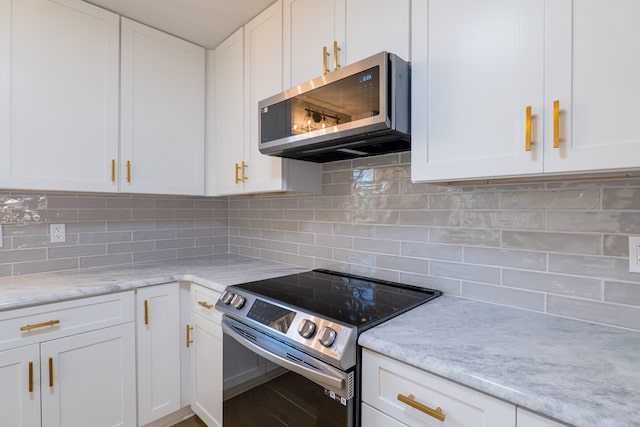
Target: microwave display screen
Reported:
point(349, 99)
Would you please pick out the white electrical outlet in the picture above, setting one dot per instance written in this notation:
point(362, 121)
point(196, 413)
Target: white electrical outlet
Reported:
point(1, 237)
point(58, 233)
point(634, 254)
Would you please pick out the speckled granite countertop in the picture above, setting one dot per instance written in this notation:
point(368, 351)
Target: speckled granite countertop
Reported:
point(214, 272)
point(580, 373)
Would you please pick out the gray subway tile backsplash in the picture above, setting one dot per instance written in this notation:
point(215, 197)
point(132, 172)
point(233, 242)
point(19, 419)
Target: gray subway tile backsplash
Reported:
point(558, 247)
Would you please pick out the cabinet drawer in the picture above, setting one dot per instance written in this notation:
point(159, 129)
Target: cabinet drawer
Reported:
point(373, 418)
point(384, 379)
point(203, 301)
point(49, 321)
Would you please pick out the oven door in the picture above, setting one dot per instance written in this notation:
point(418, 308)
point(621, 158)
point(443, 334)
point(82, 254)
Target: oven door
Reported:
point(268, 383)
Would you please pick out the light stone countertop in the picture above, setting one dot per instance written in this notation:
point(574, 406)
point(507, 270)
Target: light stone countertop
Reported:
point(577, 372)
point(214, 272)
point(581, 373)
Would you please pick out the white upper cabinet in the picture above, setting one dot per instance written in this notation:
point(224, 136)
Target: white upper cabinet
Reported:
point(593, 64)
point(373, 26)
point(350, 30)
point(228, 105)
point(476, 67)
point(162, 112)
point(58, 95)
point(248, 70)
point(310, 26)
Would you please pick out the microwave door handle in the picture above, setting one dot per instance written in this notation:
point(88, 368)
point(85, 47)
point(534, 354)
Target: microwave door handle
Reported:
point(335, 382)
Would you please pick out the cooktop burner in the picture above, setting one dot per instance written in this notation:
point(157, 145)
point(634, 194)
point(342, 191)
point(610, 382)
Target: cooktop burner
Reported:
point(354, 300)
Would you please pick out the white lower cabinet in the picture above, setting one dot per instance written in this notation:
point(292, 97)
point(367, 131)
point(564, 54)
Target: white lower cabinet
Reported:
point(529, 419)
point(371, 417)
point(89, 379)
point(387, 381)
point(205, 340)
point(20, 387)
point(69, 364)
point(158, 324)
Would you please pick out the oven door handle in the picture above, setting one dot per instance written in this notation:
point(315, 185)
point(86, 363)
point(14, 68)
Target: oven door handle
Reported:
point(330, 377)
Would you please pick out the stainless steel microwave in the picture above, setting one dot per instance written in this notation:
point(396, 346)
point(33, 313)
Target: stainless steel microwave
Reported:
point(360, 110)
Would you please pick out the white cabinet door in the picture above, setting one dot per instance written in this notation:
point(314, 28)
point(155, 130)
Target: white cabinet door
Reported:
point(308, 27)
point(249, 69)
point(158, 326)
point(162, 112)
point(376, 25)
point(89, 379)
point(529, 419)
point(263, 78)
point(206, 368)
point(58, 95)
point(229, 99)
point(20, 387)
point(476, 67)
point(593, 64)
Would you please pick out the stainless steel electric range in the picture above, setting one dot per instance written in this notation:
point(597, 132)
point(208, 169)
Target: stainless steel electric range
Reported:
point(290, 345)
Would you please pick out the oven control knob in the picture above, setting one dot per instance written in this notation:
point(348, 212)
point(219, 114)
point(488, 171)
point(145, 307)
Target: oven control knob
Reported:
point(306, 328)
point(327, 336)
point(227, 297)
point(238, 301)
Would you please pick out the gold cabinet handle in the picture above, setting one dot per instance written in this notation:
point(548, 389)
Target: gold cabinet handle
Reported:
point(39, 325)
point(556, 124)
point(244, 171)
point(205, 305)
point(51, 372)
point(237, 173)
point(409, 400)
point(325, 60)
point(189, 340)
point(128, 170)
point(146, 312)
point(30, 377)
point(336, 55)
point(527, 129)
point(113, 170)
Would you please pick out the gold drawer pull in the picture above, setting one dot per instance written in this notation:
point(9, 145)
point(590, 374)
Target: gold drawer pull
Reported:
point(238, 180)
point(51, 372)
point(39, 325)
point(205, 305)
point(189, 340)
point(325, 60)
point(556, 124)
point(244, 171)
point(527, 129)
point(30, 377)
point(146, 312)
point(409, 400)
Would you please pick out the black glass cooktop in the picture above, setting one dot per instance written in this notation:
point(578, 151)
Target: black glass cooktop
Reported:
point(359, 301)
